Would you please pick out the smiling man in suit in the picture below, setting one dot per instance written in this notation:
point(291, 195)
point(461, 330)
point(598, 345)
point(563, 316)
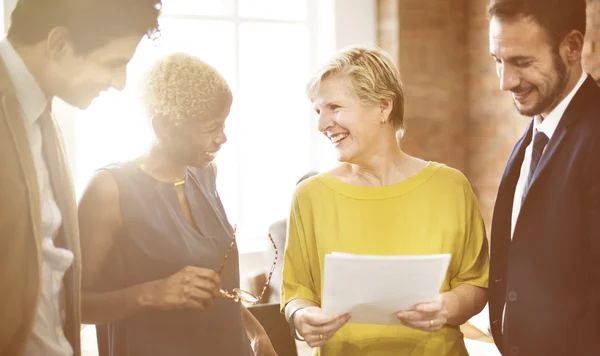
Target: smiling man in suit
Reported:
point(73, 50)
point(544, 290)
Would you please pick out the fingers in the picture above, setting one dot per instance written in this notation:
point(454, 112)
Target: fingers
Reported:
point(335, 325)
point(314, 316)
point(319, 327)
point(204, 284)
point(431, 307)
point(203, 274)
point(198, 287)
point(193, 304)
point(200, 278)
point(318, 336)
point(430, 325)
point(317, 340)
point(413, 315)
point(423, 320)
point(202, 296)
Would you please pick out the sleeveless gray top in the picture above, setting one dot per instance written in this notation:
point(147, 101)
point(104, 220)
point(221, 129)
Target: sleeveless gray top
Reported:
point(155, 242)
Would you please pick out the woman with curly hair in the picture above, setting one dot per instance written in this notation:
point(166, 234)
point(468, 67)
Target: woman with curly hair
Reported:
point(156, 243)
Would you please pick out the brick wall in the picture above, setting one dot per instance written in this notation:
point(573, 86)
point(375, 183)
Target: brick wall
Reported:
point(455, 111)
point(591, 52)
point(432, 56)
point(494, 126)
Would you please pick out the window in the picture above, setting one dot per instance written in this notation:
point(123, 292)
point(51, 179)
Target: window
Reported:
point(265, 50)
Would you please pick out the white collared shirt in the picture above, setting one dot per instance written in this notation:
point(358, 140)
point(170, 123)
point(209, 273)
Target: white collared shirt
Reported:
point(547, 126)
point(47, 337)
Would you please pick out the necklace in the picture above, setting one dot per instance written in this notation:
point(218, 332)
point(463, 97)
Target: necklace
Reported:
point(178, 183)
point(175, 184)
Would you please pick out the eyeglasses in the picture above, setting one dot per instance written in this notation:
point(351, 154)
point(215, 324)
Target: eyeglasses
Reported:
point(242, 295)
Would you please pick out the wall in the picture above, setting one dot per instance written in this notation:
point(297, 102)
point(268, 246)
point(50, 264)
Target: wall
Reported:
point(432, 56)
point(456, 113)
point(494, 125)
point(591, 55)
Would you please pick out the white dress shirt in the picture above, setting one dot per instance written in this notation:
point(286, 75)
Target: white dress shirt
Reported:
point(47, 337)
point(547, 126)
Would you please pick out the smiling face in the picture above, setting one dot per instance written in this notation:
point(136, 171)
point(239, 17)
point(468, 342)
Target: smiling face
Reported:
point(188, 102)
point(528, 65)
point(80, 77)
point(195, 142)
point(352, 126)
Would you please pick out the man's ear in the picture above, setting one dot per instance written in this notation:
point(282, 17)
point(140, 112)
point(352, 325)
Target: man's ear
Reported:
point(572, 46)
point(59, 43)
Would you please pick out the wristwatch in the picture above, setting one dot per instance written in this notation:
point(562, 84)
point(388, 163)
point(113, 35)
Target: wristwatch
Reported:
point(293, 330)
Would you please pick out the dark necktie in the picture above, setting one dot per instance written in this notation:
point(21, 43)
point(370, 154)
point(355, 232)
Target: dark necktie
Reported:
point(539, 143)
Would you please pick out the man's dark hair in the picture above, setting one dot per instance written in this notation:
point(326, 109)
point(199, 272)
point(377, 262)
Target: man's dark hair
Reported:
point(556, 17)
point(91, 23)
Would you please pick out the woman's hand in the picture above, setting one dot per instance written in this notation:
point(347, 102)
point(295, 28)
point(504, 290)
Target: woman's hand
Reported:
point(190, 288)
point(316, 327)
point(426, 316)
point(262, 346)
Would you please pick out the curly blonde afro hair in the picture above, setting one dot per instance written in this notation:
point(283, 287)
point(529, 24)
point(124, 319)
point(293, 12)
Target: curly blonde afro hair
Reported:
point(182, 87)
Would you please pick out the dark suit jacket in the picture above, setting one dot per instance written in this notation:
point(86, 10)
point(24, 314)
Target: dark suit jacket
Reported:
point(549, 274)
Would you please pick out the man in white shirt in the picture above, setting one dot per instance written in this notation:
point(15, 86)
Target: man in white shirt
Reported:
point(544, 294)
point(72, 50)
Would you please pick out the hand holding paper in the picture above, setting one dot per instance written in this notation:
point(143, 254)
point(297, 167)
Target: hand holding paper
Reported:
point(431, 316)
point(373, 289)
point(316, 326)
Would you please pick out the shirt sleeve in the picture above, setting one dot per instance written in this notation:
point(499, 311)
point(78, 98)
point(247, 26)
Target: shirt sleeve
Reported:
point(474, 262)
point(298, 281)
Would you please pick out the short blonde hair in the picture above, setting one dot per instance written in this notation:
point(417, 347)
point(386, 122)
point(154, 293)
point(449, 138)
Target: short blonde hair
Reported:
point(182, 87)
point(373, 74)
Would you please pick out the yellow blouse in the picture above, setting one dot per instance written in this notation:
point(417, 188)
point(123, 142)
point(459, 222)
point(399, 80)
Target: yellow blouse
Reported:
point(433, 212)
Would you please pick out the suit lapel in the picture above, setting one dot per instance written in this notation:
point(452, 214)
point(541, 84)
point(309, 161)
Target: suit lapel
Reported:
point(12, 113)
point(59, 174)
point(508, 184)
point(571, 115)
point(500, 237)
point(548, 154)
point(69, 233)
point(501, 227)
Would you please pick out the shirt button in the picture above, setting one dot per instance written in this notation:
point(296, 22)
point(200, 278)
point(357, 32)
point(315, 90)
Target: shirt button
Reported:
point(512, 296)
point(59, 331)
point(57, 276)
point(514, 350)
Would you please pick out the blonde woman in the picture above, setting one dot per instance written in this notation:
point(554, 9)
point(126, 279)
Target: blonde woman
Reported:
point(154, 234)
point(379, 200)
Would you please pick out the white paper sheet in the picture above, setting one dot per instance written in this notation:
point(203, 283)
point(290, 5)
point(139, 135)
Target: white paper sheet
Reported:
point(374, 288)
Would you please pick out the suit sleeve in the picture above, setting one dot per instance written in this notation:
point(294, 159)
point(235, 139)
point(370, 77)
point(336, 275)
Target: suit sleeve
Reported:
point(591, 196)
